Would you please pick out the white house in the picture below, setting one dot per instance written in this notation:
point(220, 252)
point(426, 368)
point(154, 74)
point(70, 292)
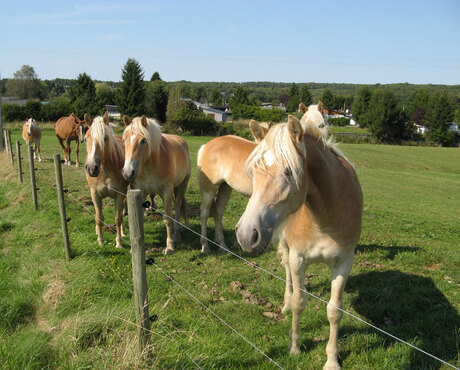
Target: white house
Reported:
point(216, 114)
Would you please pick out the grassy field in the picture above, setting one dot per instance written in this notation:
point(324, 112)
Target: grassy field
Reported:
point(80, 314)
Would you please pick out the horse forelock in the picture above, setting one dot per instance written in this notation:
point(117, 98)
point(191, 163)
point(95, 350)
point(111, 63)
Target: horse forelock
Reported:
point(110, 148)
point(279, 149)
point(151, 133)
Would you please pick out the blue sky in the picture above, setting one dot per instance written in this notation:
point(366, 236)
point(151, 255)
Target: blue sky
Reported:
point(291, 41)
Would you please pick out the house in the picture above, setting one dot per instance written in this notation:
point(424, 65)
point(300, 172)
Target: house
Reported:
point(454, 128)
point(15, 101)
point(112, 111)
point(219, 114)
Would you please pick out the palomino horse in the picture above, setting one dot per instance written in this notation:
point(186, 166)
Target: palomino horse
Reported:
point(68, 129)
point(32, 135)
point(314, 114)
point(158, 163)
point(306, 197)
point(103, 165)
point(221, 169)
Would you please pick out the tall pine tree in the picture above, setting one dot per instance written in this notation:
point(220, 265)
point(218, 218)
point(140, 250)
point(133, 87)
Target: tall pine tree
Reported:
point(131, 94)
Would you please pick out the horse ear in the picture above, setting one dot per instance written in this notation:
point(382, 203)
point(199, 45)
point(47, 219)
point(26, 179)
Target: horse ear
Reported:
point(295, 129)
point(126, 120)
point(87, 118)
point(257, 130)
point(106, 119)
point(303, 108)
point(144, 121)
point(320, 106)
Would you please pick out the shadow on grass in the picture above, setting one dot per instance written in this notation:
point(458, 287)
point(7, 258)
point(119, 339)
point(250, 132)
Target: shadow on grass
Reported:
point(391, 250)
point(411, 308)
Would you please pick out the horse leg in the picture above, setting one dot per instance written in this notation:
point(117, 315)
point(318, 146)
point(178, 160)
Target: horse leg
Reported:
point(340, 272)
point(179, 208)
point(223, 196)
point(168, 199)
point(298, 266)
point(207, 197)
point(77, 150)
point(99, 217)
point(67, 148)
point(119, 203)
point(63, 149)
point(37, 146)
point(283, 253)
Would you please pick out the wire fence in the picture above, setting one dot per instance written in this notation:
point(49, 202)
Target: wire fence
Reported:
point(81, 172)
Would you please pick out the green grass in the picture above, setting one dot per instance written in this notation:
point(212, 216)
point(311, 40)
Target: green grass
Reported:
point(405, 279)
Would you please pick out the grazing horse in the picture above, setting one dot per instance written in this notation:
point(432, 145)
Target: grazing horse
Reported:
point(32, 135)
point(158, 163)
point(221, 169)
point(103, 165)
point(68, 129)
point(307, 197)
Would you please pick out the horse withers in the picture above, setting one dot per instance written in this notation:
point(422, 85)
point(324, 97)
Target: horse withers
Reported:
point(32, 135)
point(158, 163)
point(307, 198)
point(68, 129)
point(103, 165)
point(221, 169)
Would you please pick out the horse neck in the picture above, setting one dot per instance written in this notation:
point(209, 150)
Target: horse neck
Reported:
point(113, 161)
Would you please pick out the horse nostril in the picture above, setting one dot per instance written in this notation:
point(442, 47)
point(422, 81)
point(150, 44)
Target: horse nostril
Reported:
point(255, 237)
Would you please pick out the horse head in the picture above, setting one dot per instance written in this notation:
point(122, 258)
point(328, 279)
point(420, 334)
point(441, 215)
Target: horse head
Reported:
point(276, 167)
point(314, 115)
point(97, 136)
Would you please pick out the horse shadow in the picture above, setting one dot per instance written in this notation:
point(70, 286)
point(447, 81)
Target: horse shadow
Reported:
point(409, 307)
point(391, 250)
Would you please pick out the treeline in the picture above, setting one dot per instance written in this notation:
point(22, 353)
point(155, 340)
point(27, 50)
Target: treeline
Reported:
point(385, 109)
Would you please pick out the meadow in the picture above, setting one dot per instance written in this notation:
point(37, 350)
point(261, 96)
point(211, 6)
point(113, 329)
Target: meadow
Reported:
point(80, 314)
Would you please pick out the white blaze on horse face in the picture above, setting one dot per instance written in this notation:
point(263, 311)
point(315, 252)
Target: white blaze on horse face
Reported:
point(93, 151)
point(269, 158)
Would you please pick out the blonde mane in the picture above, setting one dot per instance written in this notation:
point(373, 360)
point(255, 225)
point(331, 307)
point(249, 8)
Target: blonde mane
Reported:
point(151, 133)
point(31, 123)
point(286, 154)
point(314, 123)
point(99, 131)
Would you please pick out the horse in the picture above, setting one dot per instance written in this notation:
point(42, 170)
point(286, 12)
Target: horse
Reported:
point(307, 198)
point(68, 129)
point(32, 135)
point(158, 163)
point(103, 165)
point(221, 169)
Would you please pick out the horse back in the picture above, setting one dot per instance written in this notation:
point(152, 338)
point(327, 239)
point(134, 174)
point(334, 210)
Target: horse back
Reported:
point(175, 157)
point(64, 128)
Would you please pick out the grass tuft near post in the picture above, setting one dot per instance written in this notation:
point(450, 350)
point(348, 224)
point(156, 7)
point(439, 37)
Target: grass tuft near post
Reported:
point(136, 232)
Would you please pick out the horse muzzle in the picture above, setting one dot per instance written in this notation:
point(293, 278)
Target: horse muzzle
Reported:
point(253, 237)
point(93, 171)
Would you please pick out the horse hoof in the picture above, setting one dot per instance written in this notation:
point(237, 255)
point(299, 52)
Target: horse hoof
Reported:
point(294, 350)
point(77, 165)
point(169, 251)
point(332, 365)
point(205, 249)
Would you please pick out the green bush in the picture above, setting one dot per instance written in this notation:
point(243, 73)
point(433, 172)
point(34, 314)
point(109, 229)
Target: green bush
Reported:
point(57, 109)
point(258, 113)
point(339, 121)
point(13, 112)
point(190, 119)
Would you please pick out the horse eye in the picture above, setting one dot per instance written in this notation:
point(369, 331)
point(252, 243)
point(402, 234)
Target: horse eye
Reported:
point(143, 141)
point(105, 138)
point(288, 172)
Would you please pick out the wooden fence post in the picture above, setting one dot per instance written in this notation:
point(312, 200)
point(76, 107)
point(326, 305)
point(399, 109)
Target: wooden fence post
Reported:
point(136, 232)
point(11, 147)
point(60, 193)
point(18, 150)
point(5, 135)
point(32, 176)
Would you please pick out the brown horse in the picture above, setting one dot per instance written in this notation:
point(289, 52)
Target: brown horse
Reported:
point(32, 135)
point(158, 163)
point(221, 169)
point(103, 165)
point(307, 198)
point(68, 129)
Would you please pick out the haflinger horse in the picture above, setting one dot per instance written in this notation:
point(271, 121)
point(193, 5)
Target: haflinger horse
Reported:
point(158, 163)
point(221, 169)
point(32, 135)
point(314, 114)
point(307, 198)
point(103, 165)
point(68, 129)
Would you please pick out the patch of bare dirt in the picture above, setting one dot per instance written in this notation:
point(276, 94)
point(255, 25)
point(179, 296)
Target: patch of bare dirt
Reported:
point(370, 265)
